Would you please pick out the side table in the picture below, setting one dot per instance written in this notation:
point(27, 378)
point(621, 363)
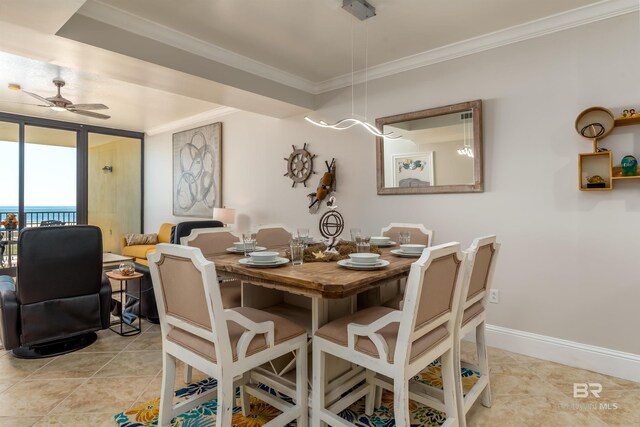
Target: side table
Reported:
point(116, 275)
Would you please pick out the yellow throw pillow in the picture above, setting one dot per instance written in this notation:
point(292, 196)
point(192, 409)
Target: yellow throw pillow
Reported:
point(141, 239)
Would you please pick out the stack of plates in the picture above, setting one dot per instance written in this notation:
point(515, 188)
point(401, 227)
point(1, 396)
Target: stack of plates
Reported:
point(250, 262)
point(408, 250)
point(234, 250)
point(400, 252)
point(347, 263)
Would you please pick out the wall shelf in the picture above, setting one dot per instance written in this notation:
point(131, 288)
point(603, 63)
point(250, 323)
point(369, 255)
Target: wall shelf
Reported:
point(600, 162)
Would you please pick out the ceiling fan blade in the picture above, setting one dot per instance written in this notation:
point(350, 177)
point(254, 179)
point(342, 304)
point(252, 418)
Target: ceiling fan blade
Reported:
point(90, 114)
point(39, 98)
point(88, 107)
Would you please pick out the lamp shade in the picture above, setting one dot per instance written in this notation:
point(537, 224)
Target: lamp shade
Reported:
point(224, 215)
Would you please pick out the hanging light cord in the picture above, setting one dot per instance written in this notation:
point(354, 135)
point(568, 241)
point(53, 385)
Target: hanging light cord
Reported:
point(347, 123)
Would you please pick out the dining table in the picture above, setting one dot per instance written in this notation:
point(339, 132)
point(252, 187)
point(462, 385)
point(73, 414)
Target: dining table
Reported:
point(310, 294)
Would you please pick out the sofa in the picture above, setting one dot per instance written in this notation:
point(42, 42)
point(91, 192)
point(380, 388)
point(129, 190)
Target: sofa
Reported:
point(139, 252)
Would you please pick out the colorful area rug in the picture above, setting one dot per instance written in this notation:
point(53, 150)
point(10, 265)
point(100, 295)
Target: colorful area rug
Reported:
point(205, 415)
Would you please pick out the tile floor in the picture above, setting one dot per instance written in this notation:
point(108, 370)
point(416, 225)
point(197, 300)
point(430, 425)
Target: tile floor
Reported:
point(88, 387)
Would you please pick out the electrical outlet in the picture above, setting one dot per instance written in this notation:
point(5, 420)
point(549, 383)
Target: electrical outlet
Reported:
point(494, 296)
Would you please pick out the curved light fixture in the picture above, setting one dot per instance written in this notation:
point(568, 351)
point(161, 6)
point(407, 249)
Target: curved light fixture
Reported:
point(466, 150)
point(361, 10)
point(348, 123)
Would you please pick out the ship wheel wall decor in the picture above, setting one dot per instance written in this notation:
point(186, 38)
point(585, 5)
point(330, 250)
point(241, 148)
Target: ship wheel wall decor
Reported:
point(299, 165)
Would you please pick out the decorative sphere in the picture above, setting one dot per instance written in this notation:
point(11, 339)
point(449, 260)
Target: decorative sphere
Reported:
point(127, 268)
point(629, 166)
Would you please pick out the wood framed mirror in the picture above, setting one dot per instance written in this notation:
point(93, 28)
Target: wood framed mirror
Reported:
point(439, 151)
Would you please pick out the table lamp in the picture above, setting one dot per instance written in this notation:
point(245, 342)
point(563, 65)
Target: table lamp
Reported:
point(225, 215)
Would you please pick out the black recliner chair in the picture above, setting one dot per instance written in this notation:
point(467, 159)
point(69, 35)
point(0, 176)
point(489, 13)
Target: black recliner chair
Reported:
point(60, 297)
point(147, 306)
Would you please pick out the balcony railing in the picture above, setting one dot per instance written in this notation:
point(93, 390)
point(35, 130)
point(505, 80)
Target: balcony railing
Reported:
point(35, 219)
point(8, 239)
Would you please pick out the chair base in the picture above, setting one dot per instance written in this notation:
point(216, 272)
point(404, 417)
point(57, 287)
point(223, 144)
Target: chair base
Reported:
point(55, 348)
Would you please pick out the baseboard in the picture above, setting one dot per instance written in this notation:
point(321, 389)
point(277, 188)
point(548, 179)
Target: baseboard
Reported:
point(598, 359)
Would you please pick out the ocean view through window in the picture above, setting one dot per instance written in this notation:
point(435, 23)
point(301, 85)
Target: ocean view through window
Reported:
point(34, 215)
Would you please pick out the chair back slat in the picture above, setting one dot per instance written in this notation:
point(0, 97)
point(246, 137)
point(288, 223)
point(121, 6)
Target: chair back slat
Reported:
point(210, 241)
point(432, 297)
point(438, 288)
point(186, 288)
point(273, 236)
point(484, 259)
point(419, 234)
point(183, 290)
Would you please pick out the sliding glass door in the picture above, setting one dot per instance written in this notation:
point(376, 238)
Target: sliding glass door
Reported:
point(50, 176)
point(60, 173)
point(9, 193)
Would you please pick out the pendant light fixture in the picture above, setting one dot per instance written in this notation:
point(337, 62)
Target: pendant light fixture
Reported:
point(466, 150)
point(361, 10)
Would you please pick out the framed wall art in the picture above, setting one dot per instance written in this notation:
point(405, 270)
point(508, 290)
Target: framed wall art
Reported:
point(413, 170)
point(197, 171)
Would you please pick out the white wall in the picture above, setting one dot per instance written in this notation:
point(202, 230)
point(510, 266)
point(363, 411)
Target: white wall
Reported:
point(567, 266)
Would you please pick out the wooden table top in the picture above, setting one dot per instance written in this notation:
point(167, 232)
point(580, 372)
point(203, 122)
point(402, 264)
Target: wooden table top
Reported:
point(319, 279)
point(116, 275)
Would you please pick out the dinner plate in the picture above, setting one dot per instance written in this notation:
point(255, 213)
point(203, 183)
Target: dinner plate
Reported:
point(384, 245)
point(354, 266)
point(241, 251)
point(400, 252)
point(248, 262)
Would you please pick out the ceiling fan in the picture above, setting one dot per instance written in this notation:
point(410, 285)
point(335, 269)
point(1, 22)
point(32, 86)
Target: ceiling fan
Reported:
point(58, 103)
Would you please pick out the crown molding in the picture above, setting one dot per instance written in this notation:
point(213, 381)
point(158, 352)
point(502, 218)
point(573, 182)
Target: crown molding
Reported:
point(143, 27)
point(192, 120)
point(595, 12)
point(570, 19)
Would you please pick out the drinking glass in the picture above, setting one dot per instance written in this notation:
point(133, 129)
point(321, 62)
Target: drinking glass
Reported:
point(297, 251)
point(303, 234)
point(249, 243)
point(355, 233)
point(362, 244)
point(404, 237)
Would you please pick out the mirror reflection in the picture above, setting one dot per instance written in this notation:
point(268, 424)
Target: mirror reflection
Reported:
point(440, 150)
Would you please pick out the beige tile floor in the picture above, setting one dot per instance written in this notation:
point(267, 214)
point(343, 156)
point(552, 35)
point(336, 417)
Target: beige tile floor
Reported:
point(88, 387)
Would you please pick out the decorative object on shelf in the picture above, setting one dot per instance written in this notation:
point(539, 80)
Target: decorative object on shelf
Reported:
point(361, 10)
point(197, 171)
point(10, 222)
point(595, 170)
point(127, 268)
point(595, 123)
point(299, 165)
point(331, 225)
point(629, 166)
point(628, 113)
point(326, 186)
point(596, 181)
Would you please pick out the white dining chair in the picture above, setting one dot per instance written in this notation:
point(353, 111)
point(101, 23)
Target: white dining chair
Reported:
point(482, 256)
point(395, 345)
point(273, 236)
point(418, 234)
point(225, 344)
point(212, 242)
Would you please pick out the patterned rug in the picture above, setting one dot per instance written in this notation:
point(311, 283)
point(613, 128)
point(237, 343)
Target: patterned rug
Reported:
point(205, 415)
